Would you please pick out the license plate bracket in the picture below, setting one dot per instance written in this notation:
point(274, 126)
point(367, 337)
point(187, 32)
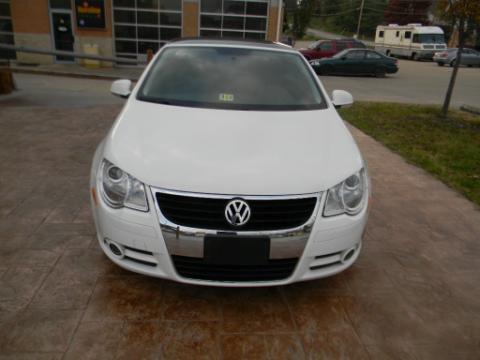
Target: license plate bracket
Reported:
point(236, 250)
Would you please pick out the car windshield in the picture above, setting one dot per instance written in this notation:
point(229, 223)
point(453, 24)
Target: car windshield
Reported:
point(341, 53)
point(231, 78)
point(431, 38)
point(313, 45)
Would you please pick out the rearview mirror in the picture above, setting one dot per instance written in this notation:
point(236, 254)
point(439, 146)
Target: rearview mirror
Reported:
point(121, 88)
point(341, 98)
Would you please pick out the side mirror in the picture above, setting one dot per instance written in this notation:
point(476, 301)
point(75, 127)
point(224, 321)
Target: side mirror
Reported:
point(121, 88)
point(341, 98)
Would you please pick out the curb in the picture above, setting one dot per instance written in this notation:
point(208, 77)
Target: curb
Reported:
point(72, 74)
point(470, 109)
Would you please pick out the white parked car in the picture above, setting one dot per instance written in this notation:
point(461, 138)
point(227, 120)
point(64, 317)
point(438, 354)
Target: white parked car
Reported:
point(230, 166)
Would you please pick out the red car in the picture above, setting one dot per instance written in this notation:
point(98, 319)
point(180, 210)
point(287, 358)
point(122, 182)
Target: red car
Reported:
point(328, 48)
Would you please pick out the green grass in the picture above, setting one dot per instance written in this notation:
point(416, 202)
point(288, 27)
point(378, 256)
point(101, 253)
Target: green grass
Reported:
point(447, 148)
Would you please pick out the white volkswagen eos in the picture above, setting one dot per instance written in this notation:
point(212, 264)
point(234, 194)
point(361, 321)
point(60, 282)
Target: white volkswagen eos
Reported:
point(229, 166)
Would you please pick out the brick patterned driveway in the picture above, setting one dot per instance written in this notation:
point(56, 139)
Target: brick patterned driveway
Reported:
point(413, 294)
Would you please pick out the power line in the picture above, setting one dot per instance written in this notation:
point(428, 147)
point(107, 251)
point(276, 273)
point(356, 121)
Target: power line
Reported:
point(386, 10)
point(337, 14)
point(396, 12)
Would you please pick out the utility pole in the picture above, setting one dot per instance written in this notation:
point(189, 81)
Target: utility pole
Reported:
point(360, 19)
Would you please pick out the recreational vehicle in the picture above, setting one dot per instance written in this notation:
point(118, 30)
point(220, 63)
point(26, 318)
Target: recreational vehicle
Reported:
point(412, 40)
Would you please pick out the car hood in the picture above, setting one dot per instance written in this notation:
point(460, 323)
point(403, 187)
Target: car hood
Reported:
point(232, 152)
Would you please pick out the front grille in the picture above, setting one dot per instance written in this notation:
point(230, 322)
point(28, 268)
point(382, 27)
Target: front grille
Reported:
point(197, 268)
point(209, 213)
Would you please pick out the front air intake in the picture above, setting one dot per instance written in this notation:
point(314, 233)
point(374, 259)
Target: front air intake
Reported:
point(197, 268)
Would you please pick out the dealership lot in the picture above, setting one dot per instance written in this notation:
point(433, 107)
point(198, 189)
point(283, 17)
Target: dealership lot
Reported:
point(422, 82)
point(413, 294)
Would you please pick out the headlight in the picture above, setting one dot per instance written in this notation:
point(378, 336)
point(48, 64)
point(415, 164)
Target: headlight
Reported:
point(348, 196)
point(119, 189)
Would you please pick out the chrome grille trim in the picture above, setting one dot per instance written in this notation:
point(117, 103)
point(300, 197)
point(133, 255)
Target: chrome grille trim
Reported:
point(187, 241)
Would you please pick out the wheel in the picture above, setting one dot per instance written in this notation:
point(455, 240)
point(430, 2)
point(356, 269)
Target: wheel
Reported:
point(387, 53)
point(415, 57)
point(380, 72)
point(452, 63)
point(440, 64)
point(325, 70)
point(469, 65)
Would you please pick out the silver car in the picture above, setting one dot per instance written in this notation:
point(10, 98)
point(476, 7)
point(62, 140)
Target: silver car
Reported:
point(470, 57)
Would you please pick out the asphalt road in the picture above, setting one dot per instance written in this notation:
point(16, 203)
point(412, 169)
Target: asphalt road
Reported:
point(415, 82)
point(59, 91)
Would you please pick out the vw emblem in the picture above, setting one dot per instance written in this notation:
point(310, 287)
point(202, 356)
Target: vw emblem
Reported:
point(237, 212)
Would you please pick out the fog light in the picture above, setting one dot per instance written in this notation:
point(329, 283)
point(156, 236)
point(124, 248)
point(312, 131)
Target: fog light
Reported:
point(347, 255)
point(115, 249)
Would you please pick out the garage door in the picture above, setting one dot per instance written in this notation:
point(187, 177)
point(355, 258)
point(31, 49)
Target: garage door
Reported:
point(140, 25)
point(233, 18)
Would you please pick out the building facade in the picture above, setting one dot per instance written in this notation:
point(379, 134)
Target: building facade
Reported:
point(128, 28)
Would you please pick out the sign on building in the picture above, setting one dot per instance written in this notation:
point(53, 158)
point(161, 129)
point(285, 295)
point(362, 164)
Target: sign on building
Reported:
point(90, 14)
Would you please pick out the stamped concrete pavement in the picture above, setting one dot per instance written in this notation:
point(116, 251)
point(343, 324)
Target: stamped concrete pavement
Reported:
point(413, 294)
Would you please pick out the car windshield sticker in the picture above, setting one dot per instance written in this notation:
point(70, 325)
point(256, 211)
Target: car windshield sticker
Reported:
point(225, 97)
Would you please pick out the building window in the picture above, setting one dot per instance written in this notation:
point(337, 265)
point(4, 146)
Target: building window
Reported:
point(140, 25)
point(6, 30)
point(60, 4)
point(234, 18)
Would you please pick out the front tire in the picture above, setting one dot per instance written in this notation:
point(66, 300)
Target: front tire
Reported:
point(380, 72)
point(325, 70)
point(440, 64)
point(415, 57)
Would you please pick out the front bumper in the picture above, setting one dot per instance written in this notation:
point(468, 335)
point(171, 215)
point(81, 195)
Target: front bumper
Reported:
point(144, 245)
point(438, 59)
point(392, 69)
point(426, 54)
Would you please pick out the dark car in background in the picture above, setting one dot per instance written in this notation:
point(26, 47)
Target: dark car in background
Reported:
point(470, 57)
point(356, 62)
point(327, 48)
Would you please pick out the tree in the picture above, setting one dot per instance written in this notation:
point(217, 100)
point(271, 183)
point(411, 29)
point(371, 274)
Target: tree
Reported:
point(466, 15)
point(407, 11)
point(342, 16)
point(301, 17)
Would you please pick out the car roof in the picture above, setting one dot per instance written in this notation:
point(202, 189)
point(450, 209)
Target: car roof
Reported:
point(231, 42)
point(348, 39)
point(356, 49)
